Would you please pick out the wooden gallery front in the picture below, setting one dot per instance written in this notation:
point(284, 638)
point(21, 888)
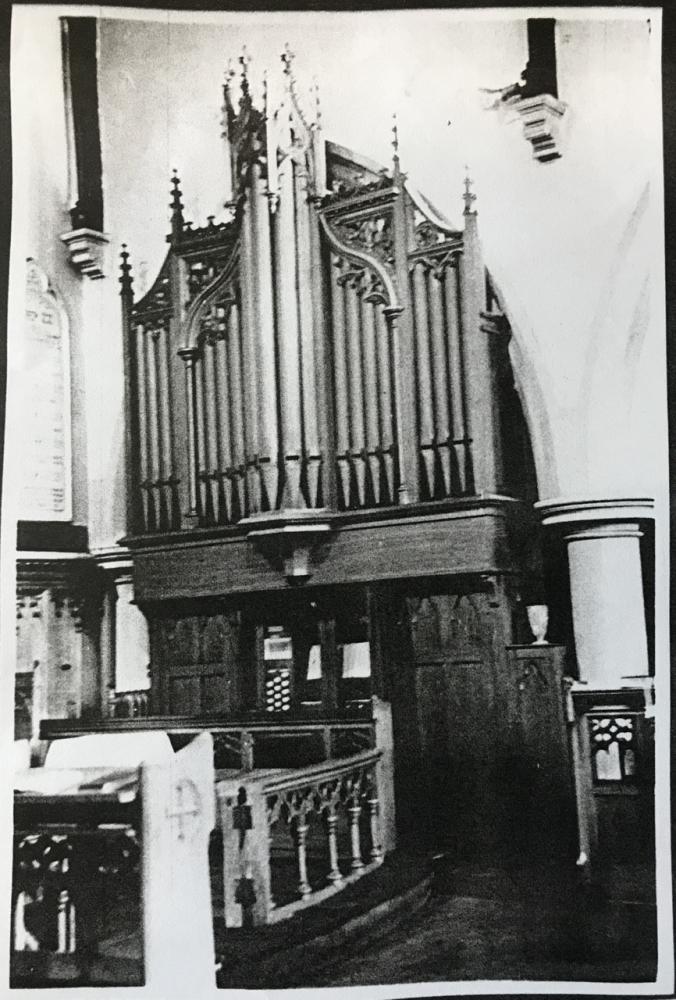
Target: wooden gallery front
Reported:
point(331, 486)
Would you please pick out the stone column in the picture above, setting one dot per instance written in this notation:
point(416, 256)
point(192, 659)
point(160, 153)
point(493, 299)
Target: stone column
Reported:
point(97, 336)
point(131, 646)
point(606, 585)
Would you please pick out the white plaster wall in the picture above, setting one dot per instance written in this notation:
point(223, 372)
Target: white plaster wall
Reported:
point(39, 216)
point(41, 199)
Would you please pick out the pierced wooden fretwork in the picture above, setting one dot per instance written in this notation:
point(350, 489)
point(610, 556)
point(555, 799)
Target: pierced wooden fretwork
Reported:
point(614, 746)
point(74, 890)
point(373, 234)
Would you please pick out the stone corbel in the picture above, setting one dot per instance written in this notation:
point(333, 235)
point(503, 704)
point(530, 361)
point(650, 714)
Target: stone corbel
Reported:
point(85, 251)
point(541, 117)
point(291, 540)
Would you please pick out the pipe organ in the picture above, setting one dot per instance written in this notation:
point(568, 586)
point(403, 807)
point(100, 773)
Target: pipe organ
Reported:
point(325, 347)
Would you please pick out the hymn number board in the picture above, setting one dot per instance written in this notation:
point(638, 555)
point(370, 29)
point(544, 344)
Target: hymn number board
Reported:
point(45, 459)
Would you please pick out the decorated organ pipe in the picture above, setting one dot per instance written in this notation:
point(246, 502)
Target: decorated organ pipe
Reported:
point(188, 355)
point(372, 429)
point(441, 380)
point(265, 338)
point(385, 404)
point(249, 386)
point(225, 462)
point(148, 506)
point(152, 421)
point(288, 340)
point(168, 426)
point(236, 410)
point(201, 444)
point(424, 373)
point(312, 459)
point(342, 417)
point(351, 289)
point(461, 445)
point(209, 431)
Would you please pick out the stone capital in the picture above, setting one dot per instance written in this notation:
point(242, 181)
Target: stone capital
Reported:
point(585, 510)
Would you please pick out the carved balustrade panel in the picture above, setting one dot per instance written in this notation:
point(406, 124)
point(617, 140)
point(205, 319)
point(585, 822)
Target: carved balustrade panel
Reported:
point(76, 897)
point(333, 821)
point(618, 748)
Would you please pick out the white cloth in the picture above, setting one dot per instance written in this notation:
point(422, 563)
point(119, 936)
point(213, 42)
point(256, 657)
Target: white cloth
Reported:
point(110, 750)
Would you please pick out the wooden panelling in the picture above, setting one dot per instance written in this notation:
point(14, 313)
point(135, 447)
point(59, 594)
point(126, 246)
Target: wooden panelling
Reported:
point(482, 757)
point(195, 664)
point(471, 540)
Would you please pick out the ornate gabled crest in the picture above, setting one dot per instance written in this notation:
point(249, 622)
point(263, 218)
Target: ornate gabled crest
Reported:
point(267, 135)
point(244, 125)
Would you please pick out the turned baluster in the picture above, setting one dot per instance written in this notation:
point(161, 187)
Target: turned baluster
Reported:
point(65, 924)
point(334, 874)
point(300, 834)
point(376, 852)
point(354, 812)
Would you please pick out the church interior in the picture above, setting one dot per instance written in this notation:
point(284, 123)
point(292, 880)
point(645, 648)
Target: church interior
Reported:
point(335, 491)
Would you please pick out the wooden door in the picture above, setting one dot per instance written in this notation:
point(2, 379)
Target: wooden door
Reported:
point(195, 665)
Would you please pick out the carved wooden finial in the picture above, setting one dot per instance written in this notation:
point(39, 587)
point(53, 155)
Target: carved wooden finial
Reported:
point(230, 75)
point(228, 109)
point(318, 107)
point(126, 280)
point(176, 205)
point(287, 58)
point(468, 196)
point(396, 169)
point(245, 62)
point(265, 94)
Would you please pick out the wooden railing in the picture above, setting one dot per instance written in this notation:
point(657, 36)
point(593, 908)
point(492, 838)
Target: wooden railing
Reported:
point(293, 838)
point(242, 744)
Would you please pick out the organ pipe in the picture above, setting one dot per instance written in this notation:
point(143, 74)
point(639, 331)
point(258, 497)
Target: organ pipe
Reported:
point(385, 397)
point(264, 369)
point(312, 455)
point(370, 396)
point(204, 483)
point(340, 376)
point(289, 355)
point(425, 410)
point(236, 395)
point(440, 377)
point(225, 463)
point(143, 404)
point(211, 428)
point(455, 364)
point(354, 373)
point(250, 396)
